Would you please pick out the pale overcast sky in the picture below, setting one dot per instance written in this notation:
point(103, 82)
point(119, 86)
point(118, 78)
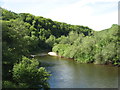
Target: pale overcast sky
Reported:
point(96, 14)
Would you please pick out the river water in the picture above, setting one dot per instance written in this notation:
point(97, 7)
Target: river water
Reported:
point(68, 73)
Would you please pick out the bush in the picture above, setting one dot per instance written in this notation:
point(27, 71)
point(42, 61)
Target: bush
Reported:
point(29, 73)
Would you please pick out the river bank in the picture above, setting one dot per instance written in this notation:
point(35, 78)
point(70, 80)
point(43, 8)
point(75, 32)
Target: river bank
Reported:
point(52, 54)
point(98, 63)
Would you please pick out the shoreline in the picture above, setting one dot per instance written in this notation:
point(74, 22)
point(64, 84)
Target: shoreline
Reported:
point(52, 54)
point(56, 55)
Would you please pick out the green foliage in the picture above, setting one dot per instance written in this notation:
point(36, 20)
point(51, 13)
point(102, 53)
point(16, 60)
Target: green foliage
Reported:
point(7, 15)
point(101, 47)
point(24, 34)
point(60, 48)
point(29, 73)
point(13, 43)
point(8, 84)
point(51, 40)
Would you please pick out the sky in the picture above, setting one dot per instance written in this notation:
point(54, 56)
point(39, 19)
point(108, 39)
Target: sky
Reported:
point(96, 14)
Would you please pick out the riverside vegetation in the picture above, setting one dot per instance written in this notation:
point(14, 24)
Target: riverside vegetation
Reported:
point(24, 34)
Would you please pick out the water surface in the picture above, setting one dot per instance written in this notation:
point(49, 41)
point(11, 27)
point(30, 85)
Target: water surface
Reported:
point(68, 73)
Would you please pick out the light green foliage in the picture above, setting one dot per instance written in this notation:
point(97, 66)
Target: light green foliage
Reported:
point(29, 73)
point(51, 40)
point(7, 15)
point(101, 47)
point(63, 40)
point(72, 37)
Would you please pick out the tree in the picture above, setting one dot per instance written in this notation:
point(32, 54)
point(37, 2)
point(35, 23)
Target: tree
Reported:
point(29, 73)
point(51, 40)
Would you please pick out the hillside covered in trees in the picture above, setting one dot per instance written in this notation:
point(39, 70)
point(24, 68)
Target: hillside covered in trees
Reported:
point(24, 34)
point(100, 48)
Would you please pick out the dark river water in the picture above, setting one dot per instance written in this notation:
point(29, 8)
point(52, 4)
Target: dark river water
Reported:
point(68, 73)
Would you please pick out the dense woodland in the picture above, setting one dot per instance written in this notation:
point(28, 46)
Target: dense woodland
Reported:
point(24, 34)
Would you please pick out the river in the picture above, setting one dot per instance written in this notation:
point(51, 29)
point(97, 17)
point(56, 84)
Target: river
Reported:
point(68, 73)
